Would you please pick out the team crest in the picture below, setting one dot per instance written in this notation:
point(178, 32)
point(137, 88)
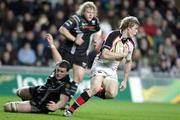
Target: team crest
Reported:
point(83, 24)
point(67, 85)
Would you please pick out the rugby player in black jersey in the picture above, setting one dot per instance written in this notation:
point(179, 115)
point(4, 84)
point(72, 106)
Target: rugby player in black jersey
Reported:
point(78, 30)
point(51, 96)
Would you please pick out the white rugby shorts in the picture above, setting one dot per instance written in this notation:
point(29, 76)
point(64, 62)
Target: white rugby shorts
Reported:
point(108, 73)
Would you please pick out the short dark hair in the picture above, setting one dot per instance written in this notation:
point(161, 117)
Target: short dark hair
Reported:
point(64, 64)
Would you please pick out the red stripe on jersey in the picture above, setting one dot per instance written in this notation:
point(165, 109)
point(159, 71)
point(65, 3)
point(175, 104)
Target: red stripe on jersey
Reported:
point(89, 27)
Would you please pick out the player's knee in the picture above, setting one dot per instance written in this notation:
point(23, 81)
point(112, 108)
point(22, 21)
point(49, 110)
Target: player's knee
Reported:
point(95, 90)
point(18, 92)
point(78, 79)
point(111, 94)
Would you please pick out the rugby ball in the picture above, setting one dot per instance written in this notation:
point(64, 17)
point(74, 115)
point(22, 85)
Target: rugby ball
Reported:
point(117, 47)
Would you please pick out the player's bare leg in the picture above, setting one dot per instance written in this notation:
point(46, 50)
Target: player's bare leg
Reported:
point(107, 91)
point(111, 88)
point(78, 73)
point(23, 106)
point(96, 83)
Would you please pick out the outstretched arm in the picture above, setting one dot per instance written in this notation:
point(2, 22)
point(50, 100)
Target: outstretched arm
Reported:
point(56, 55)
point(127, 69)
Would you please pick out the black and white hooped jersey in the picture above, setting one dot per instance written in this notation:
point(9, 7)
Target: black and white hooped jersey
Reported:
point(79, 26)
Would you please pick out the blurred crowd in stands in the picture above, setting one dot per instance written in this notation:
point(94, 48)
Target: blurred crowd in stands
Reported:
point(23, 23)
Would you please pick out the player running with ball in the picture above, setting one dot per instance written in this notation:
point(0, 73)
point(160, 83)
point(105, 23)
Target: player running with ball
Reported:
point(104, 78)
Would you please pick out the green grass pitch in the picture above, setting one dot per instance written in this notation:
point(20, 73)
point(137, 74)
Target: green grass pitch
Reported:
point(102, 110)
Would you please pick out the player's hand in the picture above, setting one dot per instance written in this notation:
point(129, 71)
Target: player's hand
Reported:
point(79, 41)
point(52, 106)
point(122, 86)
point(49, 38)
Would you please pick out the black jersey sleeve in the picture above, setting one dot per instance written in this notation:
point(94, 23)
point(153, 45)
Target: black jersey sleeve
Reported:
point(69, 89)
point(109, 40)
point(70, 23)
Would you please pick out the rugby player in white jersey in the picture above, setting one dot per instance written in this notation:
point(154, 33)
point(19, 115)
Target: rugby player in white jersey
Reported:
point(104, 79)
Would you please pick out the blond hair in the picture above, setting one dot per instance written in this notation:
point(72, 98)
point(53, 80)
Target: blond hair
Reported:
point(129, 21)
point(85, 6)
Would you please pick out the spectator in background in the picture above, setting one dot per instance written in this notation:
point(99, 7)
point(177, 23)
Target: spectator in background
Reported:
point(18, 17)
point(126, 5)
point(164, 64)
point(3, 39)
point(151, 5)
point(12, 52)
point(59, 18)
point(28, 21)
point(176, 37)
point(170, 50)
point(177, 28)
point(141, 15)
point(14, 38)
point(136, 59)
point(166, 31)
point(170, 17)
point(26, 55)
point(6, 58)
point(3, 8)
point(176, 68)
point(41, 59)
point(10, 20)
point(157, 18)
point(158, 39)
point(149, 27)
point(8, 55)
point(144, 46)
point(31, 38)
point(141, 6)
